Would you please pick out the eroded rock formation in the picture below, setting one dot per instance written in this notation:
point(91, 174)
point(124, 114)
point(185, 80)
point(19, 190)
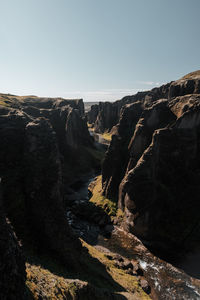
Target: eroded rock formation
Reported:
point(12, 264)
point(160, 165)
point(37, 139)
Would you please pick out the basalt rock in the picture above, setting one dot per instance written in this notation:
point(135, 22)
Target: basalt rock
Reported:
point(12, 264)
point(38, 138)
point(155, 168)
point(132, 135)
point(106, 115)
point(160, 194)
point(76, 130)
point(92, 114)
point(43, 197)
point(189, 84)
point(157, 116)
point(116, 158)
point(50, 103)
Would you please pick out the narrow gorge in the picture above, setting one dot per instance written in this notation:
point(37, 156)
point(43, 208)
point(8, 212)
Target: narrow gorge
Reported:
point(104, 203)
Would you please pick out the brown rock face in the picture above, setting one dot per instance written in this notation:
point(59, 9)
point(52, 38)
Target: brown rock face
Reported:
point(12, 265)
point(132, 136)
point(37, 142)
point(160, 194)
point(116, 158)
point(76, 131)
point(157, 116)
point(106, 115)
point(43, 195)
point(160, 162)
point(189, 84)
point(92, 113)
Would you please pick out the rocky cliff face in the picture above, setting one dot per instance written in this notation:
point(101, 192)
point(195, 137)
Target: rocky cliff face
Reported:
point(106, 115)
point(160, 166)
point(189, 84)
point(12, 264)
point(116, 158)
point(38, 137)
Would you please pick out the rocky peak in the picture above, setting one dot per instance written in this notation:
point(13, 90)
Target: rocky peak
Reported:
point(188, 84)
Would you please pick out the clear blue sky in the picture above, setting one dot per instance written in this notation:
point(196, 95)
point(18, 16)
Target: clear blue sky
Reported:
point(96, 49)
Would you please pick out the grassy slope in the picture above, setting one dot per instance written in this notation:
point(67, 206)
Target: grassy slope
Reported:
point(107, 136)
point(109, 206)
point(97, 278)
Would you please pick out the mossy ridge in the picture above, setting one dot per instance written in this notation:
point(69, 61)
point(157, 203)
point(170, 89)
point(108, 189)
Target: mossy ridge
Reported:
point(9, 100)
point(128, 282)
point(108, 205)
point(107, 136)
point(192, 75)
point(101, 271)
point(42, 283)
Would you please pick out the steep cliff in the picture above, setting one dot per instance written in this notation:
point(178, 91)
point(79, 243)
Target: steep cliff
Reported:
point(12, 264)
point(160, 194)
point(106, 115)
point(116, 158)
point(159, 191)
point(38, 139)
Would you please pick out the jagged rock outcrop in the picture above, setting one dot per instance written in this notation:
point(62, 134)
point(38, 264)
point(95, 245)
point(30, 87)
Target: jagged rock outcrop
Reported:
point(38, 138)
point(43, 194)
point(189, 84)
point(157, 116)
point(76, 131)
point(106, 115)
point(130, 138)
point(159, 191)
point(92, 114)
point(12, 264)
point(160, 195)
point(116, 158)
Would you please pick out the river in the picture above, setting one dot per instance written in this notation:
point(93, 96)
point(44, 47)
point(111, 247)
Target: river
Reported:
point(166, 281)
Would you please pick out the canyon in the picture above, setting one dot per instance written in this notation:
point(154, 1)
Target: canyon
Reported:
point(102, 203)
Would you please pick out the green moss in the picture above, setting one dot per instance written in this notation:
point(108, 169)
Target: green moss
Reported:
point(126, 281)
point(107, 136)
point(108, 205)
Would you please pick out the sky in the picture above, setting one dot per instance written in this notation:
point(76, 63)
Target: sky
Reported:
point(98, 50)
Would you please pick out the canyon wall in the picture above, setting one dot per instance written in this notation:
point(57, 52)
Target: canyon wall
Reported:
point(39, 138)
point(12, 263)
point(152, 164)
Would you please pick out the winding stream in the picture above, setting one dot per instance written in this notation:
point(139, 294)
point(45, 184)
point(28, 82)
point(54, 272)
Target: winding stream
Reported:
point(166, 281)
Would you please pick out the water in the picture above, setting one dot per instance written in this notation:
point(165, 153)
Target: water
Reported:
point(167, 281)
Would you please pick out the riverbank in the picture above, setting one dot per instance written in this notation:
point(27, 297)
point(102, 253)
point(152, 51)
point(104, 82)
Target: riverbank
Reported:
point(96, 229)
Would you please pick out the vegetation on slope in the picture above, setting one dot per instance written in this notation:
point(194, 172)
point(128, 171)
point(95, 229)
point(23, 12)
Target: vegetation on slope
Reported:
point(97, 277)
point(107, 136)
point(108, 205)
point(192, 75)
